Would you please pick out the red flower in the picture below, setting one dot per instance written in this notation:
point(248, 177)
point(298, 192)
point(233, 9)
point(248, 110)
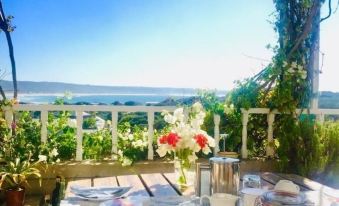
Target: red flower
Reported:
point(172, 139)
point(163, 139)
point(201, 140)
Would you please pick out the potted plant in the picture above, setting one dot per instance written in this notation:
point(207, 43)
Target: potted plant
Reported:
point(13, 178)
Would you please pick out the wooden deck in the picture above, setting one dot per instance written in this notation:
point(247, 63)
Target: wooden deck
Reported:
point(163, 184)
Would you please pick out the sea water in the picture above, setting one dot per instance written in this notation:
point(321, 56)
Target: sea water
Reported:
point(98, 98)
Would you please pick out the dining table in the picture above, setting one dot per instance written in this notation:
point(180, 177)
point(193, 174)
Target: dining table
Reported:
point(163, 185)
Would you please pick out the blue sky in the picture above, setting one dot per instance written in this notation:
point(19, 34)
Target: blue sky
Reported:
point(172, 43)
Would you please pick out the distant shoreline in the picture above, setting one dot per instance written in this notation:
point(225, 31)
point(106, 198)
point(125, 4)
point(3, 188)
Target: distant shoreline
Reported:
point(103, 94)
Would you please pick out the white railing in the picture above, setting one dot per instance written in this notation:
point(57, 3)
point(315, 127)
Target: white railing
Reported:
point(79, 109)
point(270, 121)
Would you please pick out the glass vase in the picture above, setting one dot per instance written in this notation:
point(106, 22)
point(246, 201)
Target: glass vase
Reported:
point(183, 175)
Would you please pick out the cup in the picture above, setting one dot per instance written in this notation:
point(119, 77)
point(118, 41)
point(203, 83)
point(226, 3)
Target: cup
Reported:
point(220, 199)
point(329, 196)
point(249, 195)
point(287, 186)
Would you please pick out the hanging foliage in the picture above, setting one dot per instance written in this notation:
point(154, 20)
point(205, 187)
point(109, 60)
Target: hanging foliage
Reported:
point(285, 83)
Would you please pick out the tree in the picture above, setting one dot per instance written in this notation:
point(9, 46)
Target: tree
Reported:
point(7, 28)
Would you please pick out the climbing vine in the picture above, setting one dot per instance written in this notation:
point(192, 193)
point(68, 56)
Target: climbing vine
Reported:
point(286, 83)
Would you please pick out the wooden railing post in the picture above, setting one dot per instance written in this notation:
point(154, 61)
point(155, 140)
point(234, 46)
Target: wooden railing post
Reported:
point(44, 121)
point(114, 134)
point(79, 116)
point(270, 141)
point(216, 119)
point(186, 114)
point(321, 118)
point(150, 118)
point(244, 152)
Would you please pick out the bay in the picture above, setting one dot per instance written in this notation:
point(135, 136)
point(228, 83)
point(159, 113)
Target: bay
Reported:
point(99, 98)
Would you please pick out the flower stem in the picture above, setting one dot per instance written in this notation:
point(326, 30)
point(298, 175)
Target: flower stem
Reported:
point(183, 172)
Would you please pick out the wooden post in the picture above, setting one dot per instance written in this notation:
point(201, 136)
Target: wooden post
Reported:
point(244, 152)
point(186, 113)
point(114, 134)
point(44, 121)
point(314, 69)
point(150, 118)
point(79, 117)
point(270, 141)
point(216, 119)
point(321, 118)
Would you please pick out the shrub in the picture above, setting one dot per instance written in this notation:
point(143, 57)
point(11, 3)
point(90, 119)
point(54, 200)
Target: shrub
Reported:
point(97, 145)
point(132, 144)
point(61, 135)
point(28, 135)
point(309, 148)
point(328, 167)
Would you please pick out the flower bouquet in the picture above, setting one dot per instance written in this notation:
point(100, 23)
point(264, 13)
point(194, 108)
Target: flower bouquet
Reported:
point(184, 139)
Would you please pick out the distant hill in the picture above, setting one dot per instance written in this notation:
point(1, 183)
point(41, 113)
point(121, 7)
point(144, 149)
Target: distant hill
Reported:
point(329, 100)
point(59, 87)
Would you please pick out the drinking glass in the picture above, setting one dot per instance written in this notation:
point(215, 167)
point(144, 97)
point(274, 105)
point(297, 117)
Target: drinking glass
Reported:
point(251, 181)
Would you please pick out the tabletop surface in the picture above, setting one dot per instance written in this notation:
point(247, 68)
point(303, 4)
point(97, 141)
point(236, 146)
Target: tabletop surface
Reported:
point(164, 184)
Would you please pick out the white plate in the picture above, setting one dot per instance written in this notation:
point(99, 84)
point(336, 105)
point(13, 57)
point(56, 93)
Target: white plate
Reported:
point(99, 193)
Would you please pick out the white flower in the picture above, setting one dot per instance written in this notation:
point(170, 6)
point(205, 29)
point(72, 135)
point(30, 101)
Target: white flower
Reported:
point(138, 143)
point(291, 70)
point(120, 153)
point(130, 137)
point(192, 158)
point(303, 74)
point(294, 65)
point(179, 114)
point(285, 63)
point(211, 141)
point(197, 107)
point(206, 150)
point(196, 148)
point(54, 152)
point(42, 158)
point(162, 150)
point(124, 137)
point(72, 122)
point(126, 162)
point(195, 123)
point(170, 119)
point(300, 67)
